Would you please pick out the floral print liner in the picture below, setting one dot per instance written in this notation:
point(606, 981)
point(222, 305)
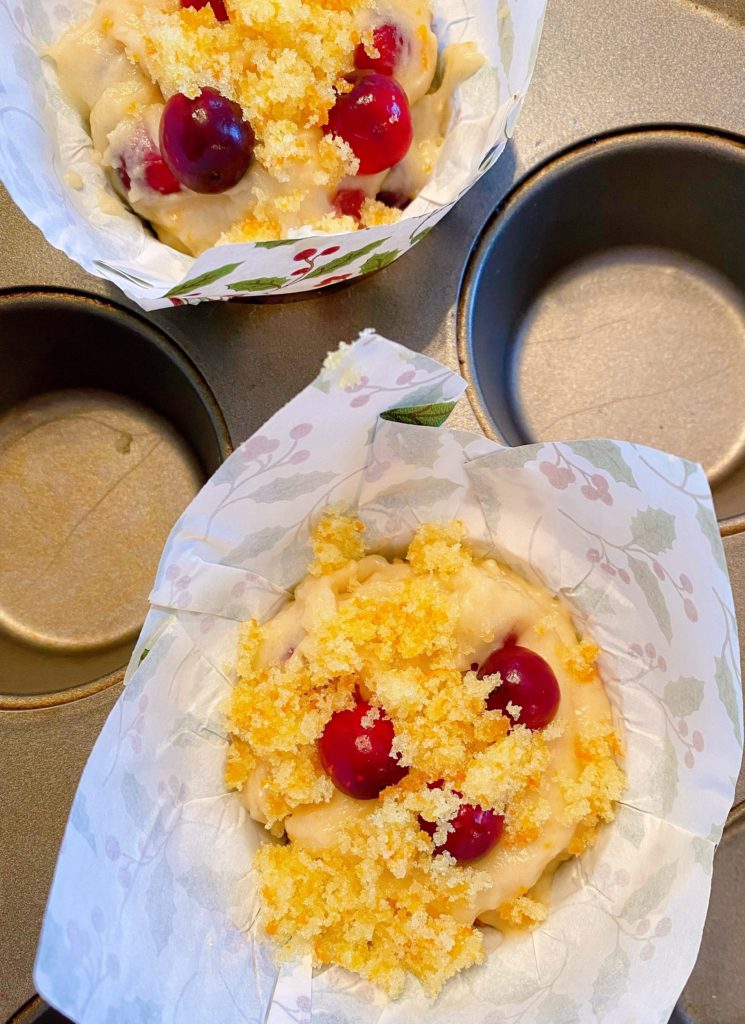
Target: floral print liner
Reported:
point(162, 928)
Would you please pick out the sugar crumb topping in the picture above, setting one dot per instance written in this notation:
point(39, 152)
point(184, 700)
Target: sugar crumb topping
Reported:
point(378, 902)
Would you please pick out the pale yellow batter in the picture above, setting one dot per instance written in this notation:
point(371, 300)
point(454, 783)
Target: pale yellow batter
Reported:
point(407, 636)
point(119, 67)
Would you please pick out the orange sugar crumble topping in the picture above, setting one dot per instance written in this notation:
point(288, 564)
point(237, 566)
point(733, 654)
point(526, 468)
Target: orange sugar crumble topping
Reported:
point(280, 60)
point(580, 660)
point(378, 902)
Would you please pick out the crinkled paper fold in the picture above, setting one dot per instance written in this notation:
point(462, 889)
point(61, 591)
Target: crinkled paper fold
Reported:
point(152, 913)
point(44, 148)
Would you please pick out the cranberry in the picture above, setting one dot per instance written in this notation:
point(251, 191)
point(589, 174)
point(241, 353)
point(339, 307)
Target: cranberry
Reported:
point(358, 757)
point(398, 200)
point(475, 830)
point(374, 120)
point(206, 141)
point(389, 42)
point(348, 202)
point(159, 177)
point(157, 174)
point(527, 681)
point(217, 6)
point(124, 176)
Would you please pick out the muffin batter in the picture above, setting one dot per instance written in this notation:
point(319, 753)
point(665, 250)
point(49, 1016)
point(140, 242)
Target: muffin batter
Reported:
point(432, 737)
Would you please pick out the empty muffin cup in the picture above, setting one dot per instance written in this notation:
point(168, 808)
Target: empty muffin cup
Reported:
point(107, 431)
point(606, 296)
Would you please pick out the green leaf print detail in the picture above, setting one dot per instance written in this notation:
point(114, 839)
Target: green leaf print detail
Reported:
point(710, 529)
point(257, 284)
point(667, 780)
point(593, 600)
point(610, 981)
point(345, 259)
point(653, 530)
point(506, 32)
point(256, 544)
point(207, 887)
point(606, 455)
point(516, 458)
point(209, 277)
point(420, 447)
point(650, 587)
point(684, 696)
point(378, 261)
point(420, 235)
point(630, 823)
point(649, 896)
point(291, 487)
point(703, 854)
point(432, 415)
point(160, 905)
point(136, 801)
point(276, 243)
point(729, 694)
point(416, 493)
point(557, 1008)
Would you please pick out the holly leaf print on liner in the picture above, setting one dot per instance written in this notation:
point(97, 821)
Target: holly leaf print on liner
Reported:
point(160, 905)
point(630, 824)
point(420, 235)
point(256, 544)
point(276, 243)
point(557, 1008)
point(345, 259)
point(667, 780)
point(728, 694)
point(416, 493)
point(290, 487)
point(81, 822)
point(257, 284)
point(605, 455)
point(653, 530)
point(209, 277)
point(378, 261)
point(611, 980)
point(703, 854)
point(649, 896)
point(710, 529)
point(650, 587)
point(136, 801)
point(432, 415)
point(683, 696)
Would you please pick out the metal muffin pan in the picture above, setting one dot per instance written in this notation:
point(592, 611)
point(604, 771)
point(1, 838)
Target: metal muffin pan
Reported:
point(604, 68)
point(606, 297)
point(106, 432)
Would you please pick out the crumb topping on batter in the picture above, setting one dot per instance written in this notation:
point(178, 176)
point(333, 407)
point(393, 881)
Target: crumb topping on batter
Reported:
point(377, 901)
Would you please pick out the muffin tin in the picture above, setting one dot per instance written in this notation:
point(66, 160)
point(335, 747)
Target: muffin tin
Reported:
point(606, 296)
point(106, 432)
point(626, 100)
